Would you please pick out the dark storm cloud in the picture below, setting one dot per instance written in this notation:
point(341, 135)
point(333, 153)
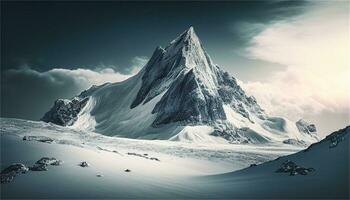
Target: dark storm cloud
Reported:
point(29, 94)
point(71, 35)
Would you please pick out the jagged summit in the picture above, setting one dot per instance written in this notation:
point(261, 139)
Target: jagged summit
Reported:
point(179, 94)
point(173, 62)
point(187, 38)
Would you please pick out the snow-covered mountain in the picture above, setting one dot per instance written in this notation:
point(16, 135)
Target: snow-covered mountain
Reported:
point(179, 95)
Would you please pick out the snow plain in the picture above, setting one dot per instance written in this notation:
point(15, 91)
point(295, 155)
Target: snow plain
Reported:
point(183, 171)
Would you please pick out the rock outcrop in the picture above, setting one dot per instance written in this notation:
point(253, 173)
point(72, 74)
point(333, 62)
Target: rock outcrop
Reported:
point(65, 112)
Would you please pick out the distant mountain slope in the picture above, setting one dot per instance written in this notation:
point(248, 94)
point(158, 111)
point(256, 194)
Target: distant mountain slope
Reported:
point(179, 87)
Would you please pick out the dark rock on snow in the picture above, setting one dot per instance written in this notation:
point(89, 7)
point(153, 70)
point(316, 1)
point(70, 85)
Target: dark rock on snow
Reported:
point(38, 138)
point(295, 142)
point(84, 164)
point(8, 174)
point(42, 164)
point(293, 169)
point(65, 112)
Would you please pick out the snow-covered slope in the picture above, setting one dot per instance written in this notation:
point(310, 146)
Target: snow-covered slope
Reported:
point(193, 171)
point(328, 179)
point(179, 93)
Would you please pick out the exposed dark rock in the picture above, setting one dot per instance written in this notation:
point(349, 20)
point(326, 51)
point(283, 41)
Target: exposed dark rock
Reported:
point(306, 127)
point(243, 135)
point(127, 170)
point(65, 112)
point(295, 142)
point(143, 156)
point(38, 138)
point(253, 165)
point(8, 174)
point(44, 162)
point(38, 167)
point(156, 159)
point(49, 161)
point(293, 169)
point(84, 164)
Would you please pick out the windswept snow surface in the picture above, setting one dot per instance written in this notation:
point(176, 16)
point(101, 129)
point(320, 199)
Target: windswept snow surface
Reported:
point(183, 170)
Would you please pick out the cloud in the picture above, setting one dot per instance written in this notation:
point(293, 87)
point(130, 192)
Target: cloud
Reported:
point(27, 93)
point(137, 63)
point(314, 47)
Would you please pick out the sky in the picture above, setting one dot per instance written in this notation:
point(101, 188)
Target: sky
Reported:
point(291, 55)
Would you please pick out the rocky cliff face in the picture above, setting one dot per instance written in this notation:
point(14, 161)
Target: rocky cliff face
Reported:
point(195, 89)
point(65, 112)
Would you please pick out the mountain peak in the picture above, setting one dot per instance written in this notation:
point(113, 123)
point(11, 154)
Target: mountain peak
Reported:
point(187, 38)
point(189, 33)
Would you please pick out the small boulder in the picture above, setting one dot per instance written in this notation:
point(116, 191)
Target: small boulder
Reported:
point(84, 164)
point(156, 159)
point(8, 174)
point(127, 170)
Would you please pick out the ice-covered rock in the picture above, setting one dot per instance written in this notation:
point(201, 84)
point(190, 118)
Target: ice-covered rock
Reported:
point(8, 174)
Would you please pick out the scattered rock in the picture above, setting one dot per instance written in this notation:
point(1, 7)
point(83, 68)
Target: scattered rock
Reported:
point(156, 159)
point(42, 164)
point(57, 163)
point(49, 161)
point(127, 170)
point(253, 165)
point(38, 167)
point(335, 140)
point(38, 138)
point(293, 169)
point(8, 174)
point(295, 142)
point(99, 175)
point(84, 164)
point(145, 155)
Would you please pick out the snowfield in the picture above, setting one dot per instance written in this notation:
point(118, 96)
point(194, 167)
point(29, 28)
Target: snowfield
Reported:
point(165, 169)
